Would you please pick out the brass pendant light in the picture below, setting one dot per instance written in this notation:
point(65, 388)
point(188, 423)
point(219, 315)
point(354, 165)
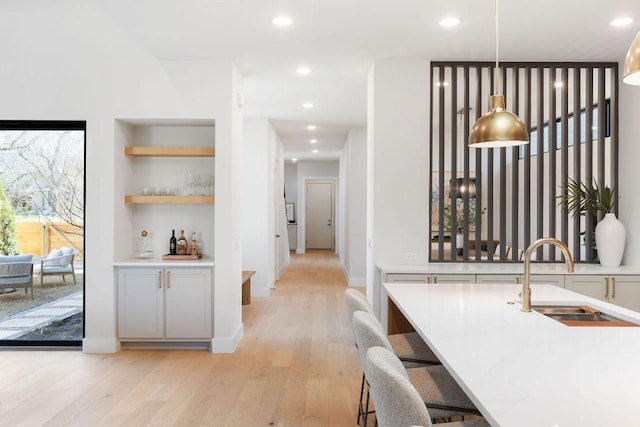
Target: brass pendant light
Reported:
point(631, 74)
point(499, 127)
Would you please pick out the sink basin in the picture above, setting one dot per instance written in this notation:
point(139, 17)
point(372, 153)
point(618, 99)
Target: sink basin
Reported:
point(580, 316)
point(552, 309)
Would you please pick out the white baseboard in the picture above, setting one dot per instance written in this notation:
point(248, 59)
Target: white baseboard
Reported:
point(227, 345)
point(284, 267)
point(100, 345)
point(300, 250)
point(354, 282)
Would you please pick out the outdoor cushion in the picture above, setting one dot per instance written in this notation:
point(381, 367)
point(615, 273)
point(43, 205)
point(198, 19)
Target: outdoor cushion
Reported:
point(6, 259)
point(53, 269)
point(66, 251)
point(54, 253)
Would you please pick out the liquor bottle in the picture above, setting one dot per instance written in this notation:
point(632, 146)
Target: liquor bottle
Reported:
point(194, 244)
point(183, 245)
point(172, 243)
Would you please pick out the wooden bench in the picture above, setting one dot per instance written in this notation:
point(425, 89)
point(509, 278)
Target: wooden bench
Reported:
point(246, 286)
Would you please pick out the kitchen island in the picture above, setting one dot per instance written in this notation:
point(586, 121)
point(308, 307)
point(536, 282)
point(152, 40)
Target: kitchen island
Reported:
point(526, 369)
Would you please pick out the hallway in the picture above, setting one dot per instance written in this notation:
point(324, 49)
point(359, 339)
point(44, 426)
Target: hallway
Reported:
point(296, 366)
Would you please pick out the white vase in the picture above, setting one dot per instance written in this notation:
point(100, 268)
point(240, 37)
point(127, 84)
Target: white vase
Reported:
point(460, 243)
point(610, 240)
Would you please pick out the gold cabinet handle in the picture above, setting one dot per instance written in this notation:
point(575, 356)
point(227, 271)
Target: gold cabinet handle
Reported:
point(169, 279)
point(613, 281)
point(428, 279)
point(518, 280)
point(159, 279)
point(435, 279)
point(606, 288)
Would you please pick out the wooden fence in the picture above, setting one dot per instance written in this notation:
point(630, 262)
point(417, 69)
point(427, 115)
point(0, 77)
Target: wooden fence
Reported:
point(38, 239)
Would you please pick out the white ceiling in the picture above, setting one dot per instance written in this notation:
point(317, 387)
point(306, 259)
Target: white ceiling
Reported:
point(339, 40)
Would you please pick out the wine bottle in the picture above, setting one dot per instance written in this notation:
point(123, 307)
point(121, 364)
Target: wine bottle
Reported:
point(172, 243)
point(194, 244)
point(183, 245)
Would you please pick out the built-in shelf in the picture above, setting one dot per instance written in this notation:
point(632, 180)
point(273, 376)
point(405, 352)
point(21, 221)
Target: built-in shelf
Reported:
point(138, 151)
point(171, 200)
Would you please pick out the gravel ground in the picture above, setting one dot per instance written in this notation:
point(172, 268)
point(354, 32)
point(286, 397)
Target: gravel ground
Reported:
point(63, 330)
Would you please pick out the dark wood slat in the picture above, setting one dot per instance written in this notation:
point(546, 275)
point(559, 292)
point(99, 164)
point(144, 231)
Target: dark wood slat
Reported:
point(577, 147)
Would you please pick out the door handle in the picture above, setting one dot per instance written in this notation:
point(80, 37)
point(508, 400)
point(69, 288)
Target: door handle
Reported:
point(169, 279)
point(277, 235)
point(159, 279)
point(613, 281)
point(606, 288)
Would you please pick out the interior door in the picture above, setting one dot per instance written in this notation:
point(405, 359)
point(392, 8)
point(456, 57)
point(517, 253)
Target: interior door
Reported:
point(319, 214)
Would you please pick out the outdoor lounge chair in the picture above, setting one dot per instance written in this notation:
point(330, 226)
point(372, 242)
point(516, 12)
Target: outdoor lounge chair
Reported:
point(58, 262)
point(16, 271)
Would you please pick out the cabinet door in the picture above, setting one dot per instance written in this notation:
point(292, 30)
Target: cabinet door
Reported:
point(454, 278)
point(549, 279)
point(408, 278)
point(188, 303)
point(498, 278)
point(625, 292)
point(140, 302)
point(592, 285)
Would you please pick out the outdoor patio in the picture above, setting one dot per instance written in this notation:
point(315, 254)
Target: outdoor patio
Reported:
point(52, 303)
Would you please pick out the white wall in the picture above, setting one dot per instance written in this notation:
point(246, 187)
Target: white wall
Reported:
point(398, 153)
point(629, 149)
point(257, 231)
point(313, 170)
point(291, 183)
point(99, 79)
point(263, 210)
point(354, 213)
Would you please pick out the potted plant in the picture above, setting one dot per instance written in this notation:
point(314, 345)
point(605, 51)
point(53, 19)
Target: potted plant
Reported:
point(579, 198)
point(460, 214)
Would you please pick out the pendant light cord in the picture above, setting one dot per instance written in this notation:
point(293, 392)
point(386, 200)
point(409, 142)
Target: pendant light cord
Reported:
point(496, 80)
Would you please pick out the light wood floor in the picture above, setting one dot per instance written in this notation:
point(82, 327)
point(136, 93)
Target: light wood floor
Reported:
point(296, 366)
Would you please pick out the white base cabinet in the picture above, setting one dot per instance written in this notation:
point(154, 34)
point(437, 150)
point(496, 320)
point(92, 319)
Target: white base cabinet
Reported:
point(430, 278)
point(622, 290)
point(549, 279)
point(158, 304)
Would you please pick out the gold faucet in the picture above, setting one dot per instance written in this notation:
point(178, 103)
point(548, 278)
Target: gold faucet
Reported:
point(526, 289)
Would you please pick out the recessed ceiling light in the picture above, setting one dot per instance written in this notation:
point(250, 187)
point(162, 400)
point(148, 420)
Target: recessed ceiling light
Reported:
point(314, 151)
point(621, 22)
point(312, 127)
point(313, 141)
point(443, 84)
point(558, 84)
point(307, 105)
point(303, 71)
point(450, 21)
point(294, 160)
point(282, 21)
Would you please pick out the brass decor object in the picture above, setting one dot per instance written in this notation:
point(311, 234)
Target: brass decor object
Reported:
point(631, 74)
point(498, 127)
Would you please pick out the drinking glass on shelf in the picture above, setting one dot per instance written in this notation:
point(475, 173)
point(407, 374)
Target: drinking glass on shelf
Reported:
point(189, 180)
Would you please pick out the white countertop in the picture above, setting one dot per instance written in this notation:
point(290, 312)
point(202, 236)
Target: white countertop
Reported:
point(159, 262)
point(502, 268)
point(524, 369)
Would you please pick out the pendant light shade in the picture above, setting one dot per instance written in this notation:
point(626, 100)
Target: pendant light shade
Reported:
point(498, 128)
point(631, 74)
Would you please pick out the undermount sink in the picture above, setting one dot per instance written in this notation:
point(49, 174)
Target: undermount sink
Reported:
point(580, 316)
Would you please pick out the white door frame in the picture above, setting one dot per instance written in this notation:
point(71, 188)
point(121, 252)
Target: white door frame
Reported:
point(302, 234)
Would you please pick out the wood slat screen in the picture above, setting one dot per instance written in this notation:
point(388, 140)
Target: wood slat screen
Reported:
point(488, 205)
